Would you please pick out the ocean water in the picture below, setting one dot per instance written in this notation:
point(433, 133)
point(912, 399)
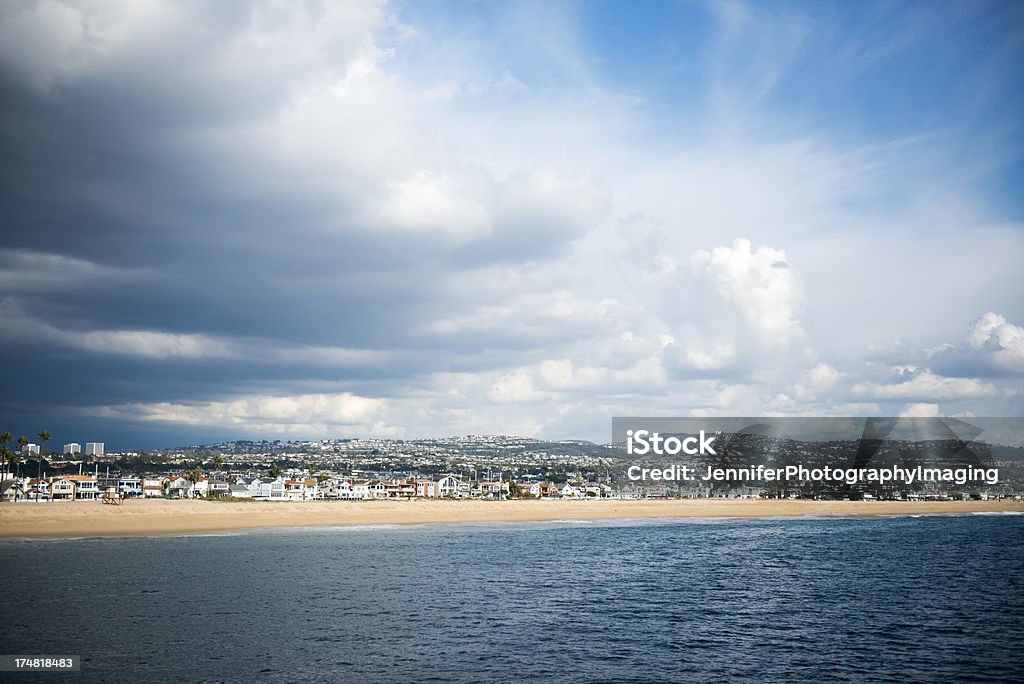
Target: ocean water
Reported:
point(901, 599)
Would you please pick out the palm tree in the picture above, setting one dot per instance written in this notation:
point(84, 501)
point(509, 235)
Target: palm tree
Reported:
point(218, 462)
point(4, 456)
point(194, 476)
point(5, 438)
point(44, 437)
point(22, 443)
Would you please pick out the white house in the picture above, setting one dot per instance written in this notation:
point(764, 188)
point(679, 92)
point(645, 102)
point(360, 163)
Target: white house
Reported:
point(179, 487)
point(360, 489)
point(62, 489)
point(271, 490)
point(495, 489)
point(569, 492)
point(152, 487)
point(335, 488)
point(86, 486)
point(239, 491)
point(220, 488)
point(301, 490)
point(340, 488)
point(451, 486)
point(426, 488)
point(130, 486)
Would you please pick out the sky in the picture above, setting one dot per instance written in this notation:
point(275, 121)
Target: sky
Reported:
point(292, 220)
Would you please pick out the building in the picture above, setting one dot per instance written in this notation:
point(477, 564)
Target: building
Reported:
point(152, 488)
point(62, 489)
point(451, 486)
point(540, 490)
point(239, 491)
point(273, 490)
point(30, 449)
point(497, 489)
point(86, 486)
point(130, 486)
point(220, 488)
point(73, 448)
point(179, 487)
point(360, 489)
point(426, 488)
point(301, 490)
point(37, 489)
point(570, 492)
point(94, 448)
point(341, 488)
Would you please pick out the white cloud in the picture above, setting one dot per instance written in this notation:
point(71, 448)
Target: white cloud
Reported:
point(29, 271)
point(431, 204)
point(761, 284)
point(922, 410)
point(515, 387)
point(818, 382)
point(925, 385)
point(139, 343)
point(551, 312)
point(992, 333)
point(295, 414)
point(713, 357)
point(549, 207)
point(146, 343)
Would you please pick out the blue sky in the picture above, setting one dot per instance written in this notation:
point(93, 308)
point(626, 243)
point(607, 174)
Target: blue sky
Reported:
point(415, 219)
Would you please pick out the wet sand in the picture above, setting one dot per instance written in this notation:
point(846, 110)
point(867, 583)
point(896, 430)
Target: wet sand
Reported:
point(157, 516)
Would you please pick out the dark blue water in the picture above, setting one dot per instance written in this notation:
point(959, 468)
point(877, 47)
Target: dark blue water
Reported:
point(895, 599)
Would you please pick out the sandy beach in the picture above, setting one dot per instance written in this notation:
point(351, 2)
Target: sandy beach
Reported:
point(149, 517)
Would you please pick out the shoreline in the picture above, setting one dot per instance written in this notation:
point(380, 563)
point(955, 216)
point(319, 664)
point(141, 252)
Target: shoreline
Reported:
point(139, 517)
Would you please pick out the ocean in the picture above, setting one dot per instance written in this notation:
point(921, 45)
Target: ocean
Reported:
point(900, 599)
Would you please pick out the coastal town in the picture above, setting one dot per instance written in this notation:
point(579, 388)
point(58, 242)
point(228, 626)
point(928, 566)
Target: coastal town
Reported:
point(466, 467)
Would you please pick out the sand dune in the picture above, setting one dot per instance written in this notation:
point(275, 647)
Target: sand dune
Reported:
point(139, 517)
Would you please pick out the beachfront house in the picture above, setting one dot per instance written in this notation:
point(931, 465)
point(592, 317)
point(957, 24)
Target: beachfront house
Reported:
point(301, 490)
point(239, 491)
point(36, 490)
point(426, 488)
point(336, 488)
point(341, 488)
point(152, 487)
point(539, 490)
point(569, 492)
point(695, 492)
point(12, 490)
point(86, 487)
point(62, 489)
point(735, 493)
point(268, 490)
point(493, 490)
point(180, 487)
point(219, 488)
point(130, 486)
point(451, 486)
point(595, 490)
